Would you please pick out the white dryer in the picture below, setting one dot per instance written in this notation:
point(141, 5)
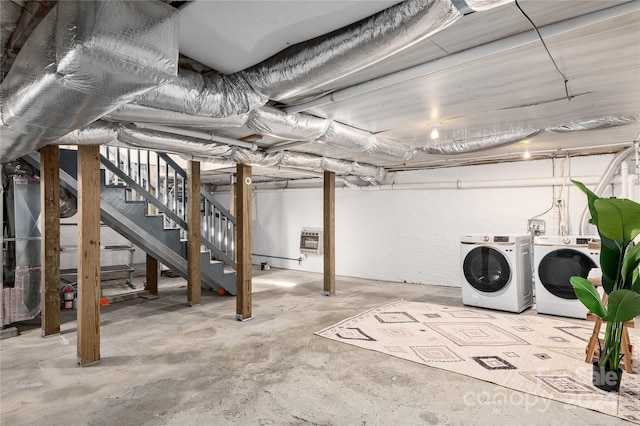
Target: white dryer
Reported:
point(557, 259)
point(497, 272)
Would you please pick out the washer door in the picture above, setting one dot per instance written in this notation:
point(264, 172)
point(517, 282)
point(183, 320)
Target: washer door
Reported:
point(486, 269)
point(556, 269)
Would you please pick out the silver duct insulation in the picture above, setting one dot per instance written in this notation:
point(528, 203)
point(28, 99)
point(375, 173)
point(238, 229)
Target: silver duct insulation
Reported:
point(277, 123)
point(152, 139)
point(10, 12)
point(302, 68)
point(255, 158)
point(212, 95)
point(273, 122)
point(347, 137)
point(386, 148)
point(478, 144)
point(82, 61)
point(68, 203)
point(151, 115)
point(96, 133)
point(596, 123)
point(118, 135)
point(480, 5)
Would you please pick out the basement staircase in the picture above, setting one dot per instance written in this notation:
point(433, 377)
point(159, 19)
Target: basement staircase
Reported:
point(143, 198)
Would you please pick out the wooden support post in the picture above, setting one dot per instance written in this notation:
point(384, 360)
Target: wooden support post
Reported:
point(243, 242)
point(88, 254)
point(152, 275)
point(194, 259)
point(329, 242)
point(50, 245)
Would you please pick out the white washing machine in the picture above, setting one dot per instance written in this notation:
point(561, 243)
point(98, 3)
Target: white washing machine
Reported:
point(557, 259)
point(496, 271)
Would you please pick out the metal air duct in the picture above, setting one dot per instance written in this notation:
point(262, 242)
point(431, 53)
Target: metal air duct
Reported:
point(304, 67)
point(212, 95)
point(74, 68)
point(274, 122)
point(593, 124)
point(116, 135)
point(478, 144)
point(144, 114)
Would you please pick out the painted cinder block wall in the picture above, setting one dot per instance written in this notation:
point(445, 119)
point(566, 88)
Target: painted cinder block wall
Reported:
point(414, 235)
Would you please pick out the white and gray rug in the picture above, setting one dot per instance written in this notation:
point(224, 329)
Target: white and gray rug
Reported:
point(535, 354)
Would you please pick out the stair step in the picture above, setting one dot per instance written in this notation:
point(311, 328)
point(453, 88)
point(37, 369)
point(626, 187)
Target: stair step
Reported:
point(130, 218)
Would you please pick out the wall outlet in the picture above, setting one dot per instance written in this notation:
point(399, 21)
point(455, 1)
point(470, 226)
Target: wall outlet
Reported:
point(537, 226)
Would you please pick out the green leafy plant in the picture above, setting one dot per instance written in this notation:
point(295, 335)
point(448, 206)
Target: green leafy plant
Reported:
point(618, 223)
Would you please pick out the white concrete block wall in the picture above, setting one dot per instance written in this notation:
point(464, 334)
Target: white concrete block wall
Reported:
point(414, 235)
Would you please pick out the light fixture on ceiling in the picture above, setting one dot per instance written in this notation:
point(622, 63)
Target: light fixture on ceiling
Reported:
point(434, 130)
point(526, 154)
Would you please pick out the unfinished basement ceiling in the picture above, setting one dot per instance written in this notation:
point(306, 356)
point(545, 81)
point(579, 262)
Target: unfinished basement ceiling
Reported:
point(486, 78)
point(245, 33)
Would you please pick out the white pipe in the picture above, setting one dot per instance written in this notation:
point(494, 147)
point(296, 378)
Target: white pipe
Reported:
point(556, 219)
point(624, 179)
point(198, 135)
point(466, 56)
point(459, 184)
point(607, 176)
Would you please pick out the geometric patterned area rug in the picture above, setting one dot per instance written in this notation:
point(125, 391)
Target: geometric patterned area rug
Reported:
point(534, 354)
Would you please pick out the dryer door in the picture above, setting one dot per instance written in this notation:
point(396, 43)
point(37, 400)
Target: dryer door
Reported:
point(556, 269)
point(486, 269)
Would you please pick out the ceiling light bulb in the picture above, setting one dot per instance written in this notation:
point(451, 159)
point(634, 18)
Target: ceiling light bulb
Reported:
point(434, 130)
point(527, 154)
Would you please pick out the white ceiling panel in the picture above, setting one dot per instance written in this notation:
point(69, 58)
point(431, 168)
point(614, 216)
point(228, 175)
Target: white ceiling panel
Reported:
point(230, 36)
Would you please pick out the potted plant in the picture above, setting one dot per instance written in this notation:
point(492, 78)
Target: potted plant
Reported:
point(618, 223)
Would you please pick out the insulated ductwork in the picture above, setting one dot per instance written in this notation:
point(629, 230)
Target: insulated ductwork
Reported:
point(594, 124)
point(84, 73)
point(480, 5)
point(212, 95)
point(151, 115)
point(218, 101)
point(10, 12)
point(68, 203)
point(74, 68)
point(300, 69)
point(96, 133)
point(274, 122)
point(347, 137)
point(159, 141)
point(478, 144)
point(120, 135)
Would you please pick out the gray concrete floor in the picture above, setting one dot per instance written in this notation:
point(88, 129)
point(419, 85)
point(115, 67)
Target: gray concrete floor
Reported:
point(164, 363)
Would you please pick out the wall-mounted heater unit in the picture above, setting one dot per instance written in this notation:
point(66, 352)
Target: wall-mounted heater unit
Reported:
point(311, 241)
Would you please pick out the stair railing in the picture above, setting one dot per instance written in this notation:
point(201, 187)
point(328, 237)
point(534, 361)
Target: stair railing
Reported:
point(159, 180)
